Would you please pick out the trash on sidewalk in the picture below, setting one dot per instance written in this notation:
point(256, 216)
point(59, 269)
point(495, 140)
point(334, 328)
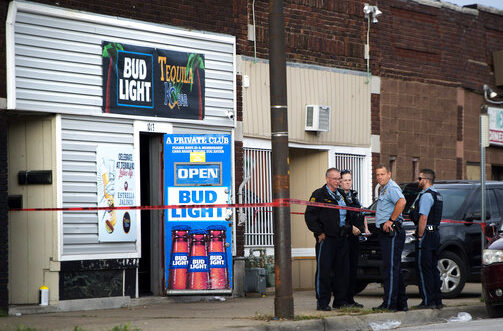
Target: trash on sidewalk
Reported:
point(389, 324)
point(462, 317)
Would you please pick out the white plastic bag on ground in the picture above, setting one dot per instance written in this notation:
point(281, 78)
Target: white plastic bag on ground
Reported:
point(375, 326)
point(462, 317)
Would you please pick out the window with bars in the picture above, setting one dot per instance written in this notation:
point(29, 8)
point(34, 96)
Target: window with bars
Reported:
point(354, 163)
point(258, 189)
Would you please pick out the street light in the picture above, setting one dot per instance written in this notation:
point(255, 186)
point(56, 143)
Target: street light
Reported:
point(489, 95)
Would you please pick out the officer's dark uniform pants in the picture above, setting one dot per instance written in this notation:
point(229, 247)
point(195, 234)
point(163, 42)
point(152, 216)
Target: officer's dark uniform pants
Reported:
point(428, 276)
point(393, 280)
point(332, 261)
point(354, 254)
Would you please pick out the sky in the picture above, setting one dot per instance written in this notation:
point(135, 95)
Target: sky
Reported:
point(491, 3)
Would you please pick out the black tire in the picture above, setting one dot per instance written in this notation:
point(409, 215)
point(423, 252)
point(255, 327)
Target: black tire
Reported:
point(452, 270)
point(360, 286)
point(494, 311)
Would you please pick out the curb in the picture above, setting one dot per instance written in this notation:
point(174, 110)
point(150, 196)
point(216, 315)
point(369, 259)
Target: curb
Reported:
point(71, 305)
point(362, 322)
point(108, 303)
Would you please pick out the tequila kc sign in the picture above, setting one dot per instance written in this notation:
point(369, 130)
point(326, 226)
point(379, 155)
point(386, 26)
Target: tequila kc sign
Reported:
point(152, 82)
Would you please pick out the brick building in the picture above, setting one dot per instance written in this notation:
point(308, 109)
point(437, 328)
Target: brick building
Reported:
point(433, 59)
point(416, 106)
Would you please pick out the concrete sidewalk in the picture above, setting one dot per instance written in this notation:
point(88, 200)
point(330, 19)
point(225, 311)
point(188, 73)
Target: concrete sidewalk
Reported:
point(249, 313)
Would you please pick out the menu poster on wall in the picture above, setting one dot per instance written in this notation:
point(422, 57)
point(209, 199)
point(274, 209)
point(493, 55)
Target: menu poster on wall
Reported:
point(152, 82)
point(116, 184)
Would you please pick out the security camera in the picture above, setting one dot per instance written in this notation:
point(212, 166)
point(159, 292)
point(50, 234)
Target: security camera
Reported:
point(367, 9)
point(230, 114)
point(377, 12)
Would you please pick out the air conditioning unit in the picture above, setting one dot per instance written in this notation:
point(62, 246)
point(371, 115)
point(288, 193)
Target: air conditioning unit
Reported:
point(317, 118)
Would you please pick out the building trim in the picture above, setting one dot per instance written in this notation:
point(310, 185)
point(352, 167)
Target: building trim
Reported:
point(309, 66)
point(10, 55)
point(59, 185)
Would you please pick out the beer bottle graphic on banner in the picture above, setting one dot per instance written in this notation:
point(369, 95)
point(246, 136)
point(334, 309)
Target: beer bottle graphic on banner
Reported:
point(198, 278)
point(179, 262)
point(108, 177)
point(217, 257)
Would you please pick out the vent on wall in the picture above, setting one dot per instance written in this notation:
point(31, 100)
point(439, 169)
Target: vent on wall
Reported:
point(317, 118)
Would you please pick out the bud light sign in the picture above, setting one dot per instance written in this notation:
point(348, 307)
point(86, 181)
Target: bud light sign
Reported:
point(179, 261)
point(198, 171)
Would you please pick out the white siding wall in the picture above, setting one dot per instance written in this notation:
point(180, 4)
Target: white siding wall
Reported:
point(79, 138)
point(57, 58)
point(345, 91)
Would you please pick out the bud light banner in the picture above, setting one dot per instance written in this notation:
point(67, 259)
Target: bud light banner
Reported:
point(198, 254)
point(152, 82)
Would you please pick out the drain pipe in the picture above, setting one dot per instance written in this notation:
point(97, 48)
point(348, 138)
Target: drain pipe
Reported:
point(242, 216)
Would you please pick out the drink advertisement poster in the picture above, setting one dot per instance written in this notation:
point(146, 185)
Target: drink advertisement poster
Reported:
point(495, 125)
point(198, 255)
point(152, 82)
point(116, 188)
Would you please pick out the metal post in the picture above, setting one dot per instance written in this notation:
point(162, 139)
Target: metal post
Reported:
point(484, 142)
point(283, 301)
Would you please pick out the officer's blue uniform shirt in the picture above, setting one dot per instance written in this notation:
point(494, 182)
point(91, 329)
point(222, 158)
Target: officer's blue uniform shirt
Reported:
point(388, 197)
point(340, 201)
point(426, 201)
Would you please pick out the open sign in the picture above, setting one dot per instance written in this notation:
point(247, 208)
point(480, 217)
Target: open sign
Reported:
point(198, 174)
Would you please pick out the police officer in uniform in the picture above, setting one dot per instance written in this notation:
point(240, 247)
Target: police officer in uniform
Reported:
point(330, 232)
point(355, 220)
point(390, 204)
point(426, 213)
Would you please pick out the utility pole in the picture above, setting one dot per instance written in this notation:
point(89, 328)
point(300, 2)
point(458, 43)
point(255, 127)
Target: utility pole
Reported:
point(283, 300)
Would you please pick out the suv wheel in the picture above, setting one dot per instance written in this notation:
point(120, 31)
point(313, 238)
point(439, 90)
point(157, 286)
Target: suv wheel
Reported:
point(452, 274)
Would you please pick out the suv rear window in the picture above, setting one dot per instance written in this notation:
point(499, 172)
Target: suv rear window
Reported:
point(453, 200)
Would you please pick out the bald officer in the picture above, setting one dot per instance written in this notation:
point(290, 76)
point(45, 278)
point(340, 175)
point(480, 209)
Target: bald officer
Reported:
point(328, 227)
point(390, 204)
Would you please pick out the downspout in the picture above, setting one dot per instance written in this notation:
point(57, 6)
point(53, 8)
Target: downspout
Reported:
point(242, 216)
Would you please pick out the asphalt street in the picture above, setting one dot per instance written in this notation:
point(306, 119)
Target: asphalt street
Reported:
point(485, 324)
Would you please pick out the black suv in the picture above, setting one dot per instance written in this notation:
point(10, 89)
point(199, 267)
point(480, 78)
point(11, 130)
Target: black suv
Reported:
point(460, 244)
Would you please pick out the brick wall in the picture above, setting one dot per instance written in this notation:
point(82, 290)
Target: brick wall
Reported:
point(418, 120)
point(436, 45)
point(216, 15)
point(329, 33)
point(422, 53)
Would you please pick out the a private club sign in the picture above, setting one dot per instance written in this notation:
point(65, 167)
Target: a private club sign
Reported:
point(152, 82)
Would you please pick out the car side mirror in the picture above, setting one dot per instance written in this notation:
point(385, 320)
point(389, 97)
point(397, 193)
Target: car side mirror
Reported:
point(476, 216)
point(490, 230)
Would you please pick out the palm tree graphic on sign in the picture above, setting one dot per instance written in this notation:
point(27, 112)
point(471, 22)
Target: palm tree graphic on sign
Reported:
point(110, 51)
point(194, 63)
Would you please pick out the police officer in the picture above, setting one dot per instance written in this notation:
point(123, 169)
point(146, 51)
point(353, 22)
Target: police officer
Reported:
point(356, 222)
point(328, 226)
point(426, 213)
point(390, 204)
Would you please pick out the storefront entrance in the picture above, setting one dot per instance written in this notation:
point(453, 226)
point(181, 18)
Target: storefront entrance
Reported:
point(151, 179)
